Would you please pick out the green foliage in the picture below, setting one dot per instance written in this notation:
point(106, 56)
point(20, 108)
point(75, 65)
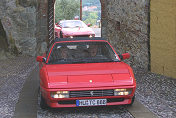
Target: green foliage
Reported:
point(90, 17)
point(91, 2)
point(66, 9)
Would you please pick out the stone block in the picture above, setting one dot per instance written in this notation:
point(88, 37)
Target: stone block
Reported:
point(133, 31)
point(30, 9)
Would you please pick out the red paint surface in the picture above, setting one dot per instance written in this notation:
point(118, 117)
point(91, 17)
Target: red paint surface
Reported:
point(73, 77)
point(67, 32)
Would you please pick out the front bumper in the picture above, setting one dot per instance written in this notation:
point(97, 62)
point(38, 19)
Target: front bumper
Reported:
point(79, 35)
point(71, 102)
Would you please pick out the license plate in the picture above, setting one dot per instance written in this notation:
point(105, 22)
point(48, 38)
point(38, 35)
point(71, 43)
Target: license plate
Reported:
point(91, 102)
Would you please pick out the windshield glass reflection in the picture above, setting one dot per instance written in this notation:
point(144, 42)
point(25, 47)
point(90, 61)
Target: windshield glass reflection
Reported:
point(82, 52)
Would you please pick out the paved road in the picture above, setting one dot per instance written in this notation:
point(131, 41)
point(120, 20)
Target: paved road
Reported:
point(28, 100)
point(97, 32)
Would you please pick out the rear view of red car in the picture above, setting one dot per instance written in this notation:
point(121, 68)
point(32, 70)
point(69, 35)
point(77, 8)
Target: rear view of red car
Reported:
point(85, 72)
point(73, 28)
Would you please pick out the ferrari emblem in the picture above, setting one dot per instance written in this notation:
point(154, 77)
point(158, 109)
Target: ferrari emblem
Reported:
point(91, 93)
point(90, 81)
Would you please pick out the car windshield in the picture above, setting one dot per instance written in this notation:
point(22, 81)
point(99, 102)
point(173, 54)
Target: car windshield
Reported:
point(72, 24)
point(82, 52)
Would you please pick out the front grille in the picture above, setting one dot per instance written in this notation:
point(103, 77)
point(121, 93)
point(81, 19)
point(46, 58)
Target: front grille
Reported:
point(82, 36)
point(93, 93)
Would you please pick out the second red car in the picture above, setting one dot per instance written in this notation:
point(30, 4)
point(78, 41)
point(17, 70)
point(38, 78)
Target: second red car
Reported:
point(73, 28)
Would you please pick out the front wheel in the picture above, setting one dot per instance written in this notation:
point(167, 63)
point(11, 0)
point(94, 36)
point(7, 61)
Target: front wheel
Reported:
point(61, 34)
point(43, 104)
point(132, 101)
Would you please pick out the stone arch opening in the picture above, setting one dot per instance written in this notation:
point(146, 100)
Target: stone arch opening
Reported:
point(51, 18)
point(123, 24)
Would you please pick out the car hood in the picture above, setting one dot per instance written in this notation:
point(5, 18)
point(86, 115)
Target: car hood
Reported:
point(77, 31)
point(88, 75)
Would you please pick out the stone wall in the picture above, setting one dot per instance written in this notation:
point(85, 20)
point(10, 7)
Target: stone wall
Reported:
point(18, 18)
point(42, 26)
point(3, 42)
point(25, 24)
point(125, 24)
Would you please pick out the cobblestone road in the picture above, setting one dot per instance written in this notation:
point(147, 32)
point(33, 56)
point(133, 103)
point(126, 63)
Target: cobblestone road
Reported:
point(13, 73)
point(157, 93)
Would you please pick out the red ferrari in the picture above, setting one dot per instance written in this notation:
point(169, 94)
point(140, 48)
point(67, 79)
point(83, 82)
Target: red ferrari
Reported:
point(81, 72)
point(73, 28)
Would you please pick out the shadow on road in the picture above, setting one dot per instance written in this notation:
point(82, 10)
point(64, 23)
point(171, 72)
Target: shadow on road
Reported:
point(85, 112)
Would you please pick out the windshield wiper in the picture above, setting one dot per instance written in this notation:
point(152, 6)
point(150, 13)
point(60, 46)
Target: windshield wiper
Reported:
point(81, 61)
point(87, 60)
point(93, 60)
point(107, 60)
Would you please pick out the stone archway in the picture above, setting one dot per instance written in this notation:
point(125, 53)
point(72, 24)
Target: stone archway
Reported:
point(125, 24)
point(51, 18)
point(18, 19)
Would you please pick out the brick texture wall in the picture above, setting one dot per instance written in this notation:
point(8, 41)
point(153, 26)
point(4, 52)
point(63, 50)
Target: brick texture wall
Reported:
point(125, 24)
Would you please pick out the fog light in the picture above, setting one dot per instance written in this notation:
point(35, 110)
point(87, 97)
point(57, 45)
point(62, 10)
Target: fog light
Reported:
point(118, 92)
point(60, 94)
point(90, 36)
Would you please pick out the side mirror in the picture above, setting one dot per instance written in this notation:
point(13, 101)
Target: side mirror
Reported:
point(124, 56)
point(40, 59)
point(57, 24)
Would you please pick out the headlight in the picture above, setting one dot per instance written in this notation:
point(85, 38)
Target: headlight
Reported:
point(60, 94)
point(90, 36)
point(118, 92)
point(71, 36)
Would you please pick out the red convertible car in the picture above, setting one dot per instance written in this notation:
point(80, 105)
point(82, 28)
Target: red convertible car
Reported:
point(85, 72)
point(73, 28)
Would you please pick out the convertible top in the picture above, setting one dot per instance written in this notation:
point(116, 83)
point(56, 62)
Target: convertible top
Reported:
point(77, 38)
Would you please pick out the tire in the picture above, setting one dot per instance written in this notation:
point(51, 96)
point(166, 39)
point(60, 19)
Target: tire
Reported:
point(43, 104)
point(61, 35)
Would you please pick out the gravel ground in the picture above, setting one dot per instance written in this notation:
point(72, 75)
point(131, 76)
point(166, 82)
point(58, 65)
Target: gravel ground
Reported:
point(97, 32)
point(157, 93)
point(13, 73)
